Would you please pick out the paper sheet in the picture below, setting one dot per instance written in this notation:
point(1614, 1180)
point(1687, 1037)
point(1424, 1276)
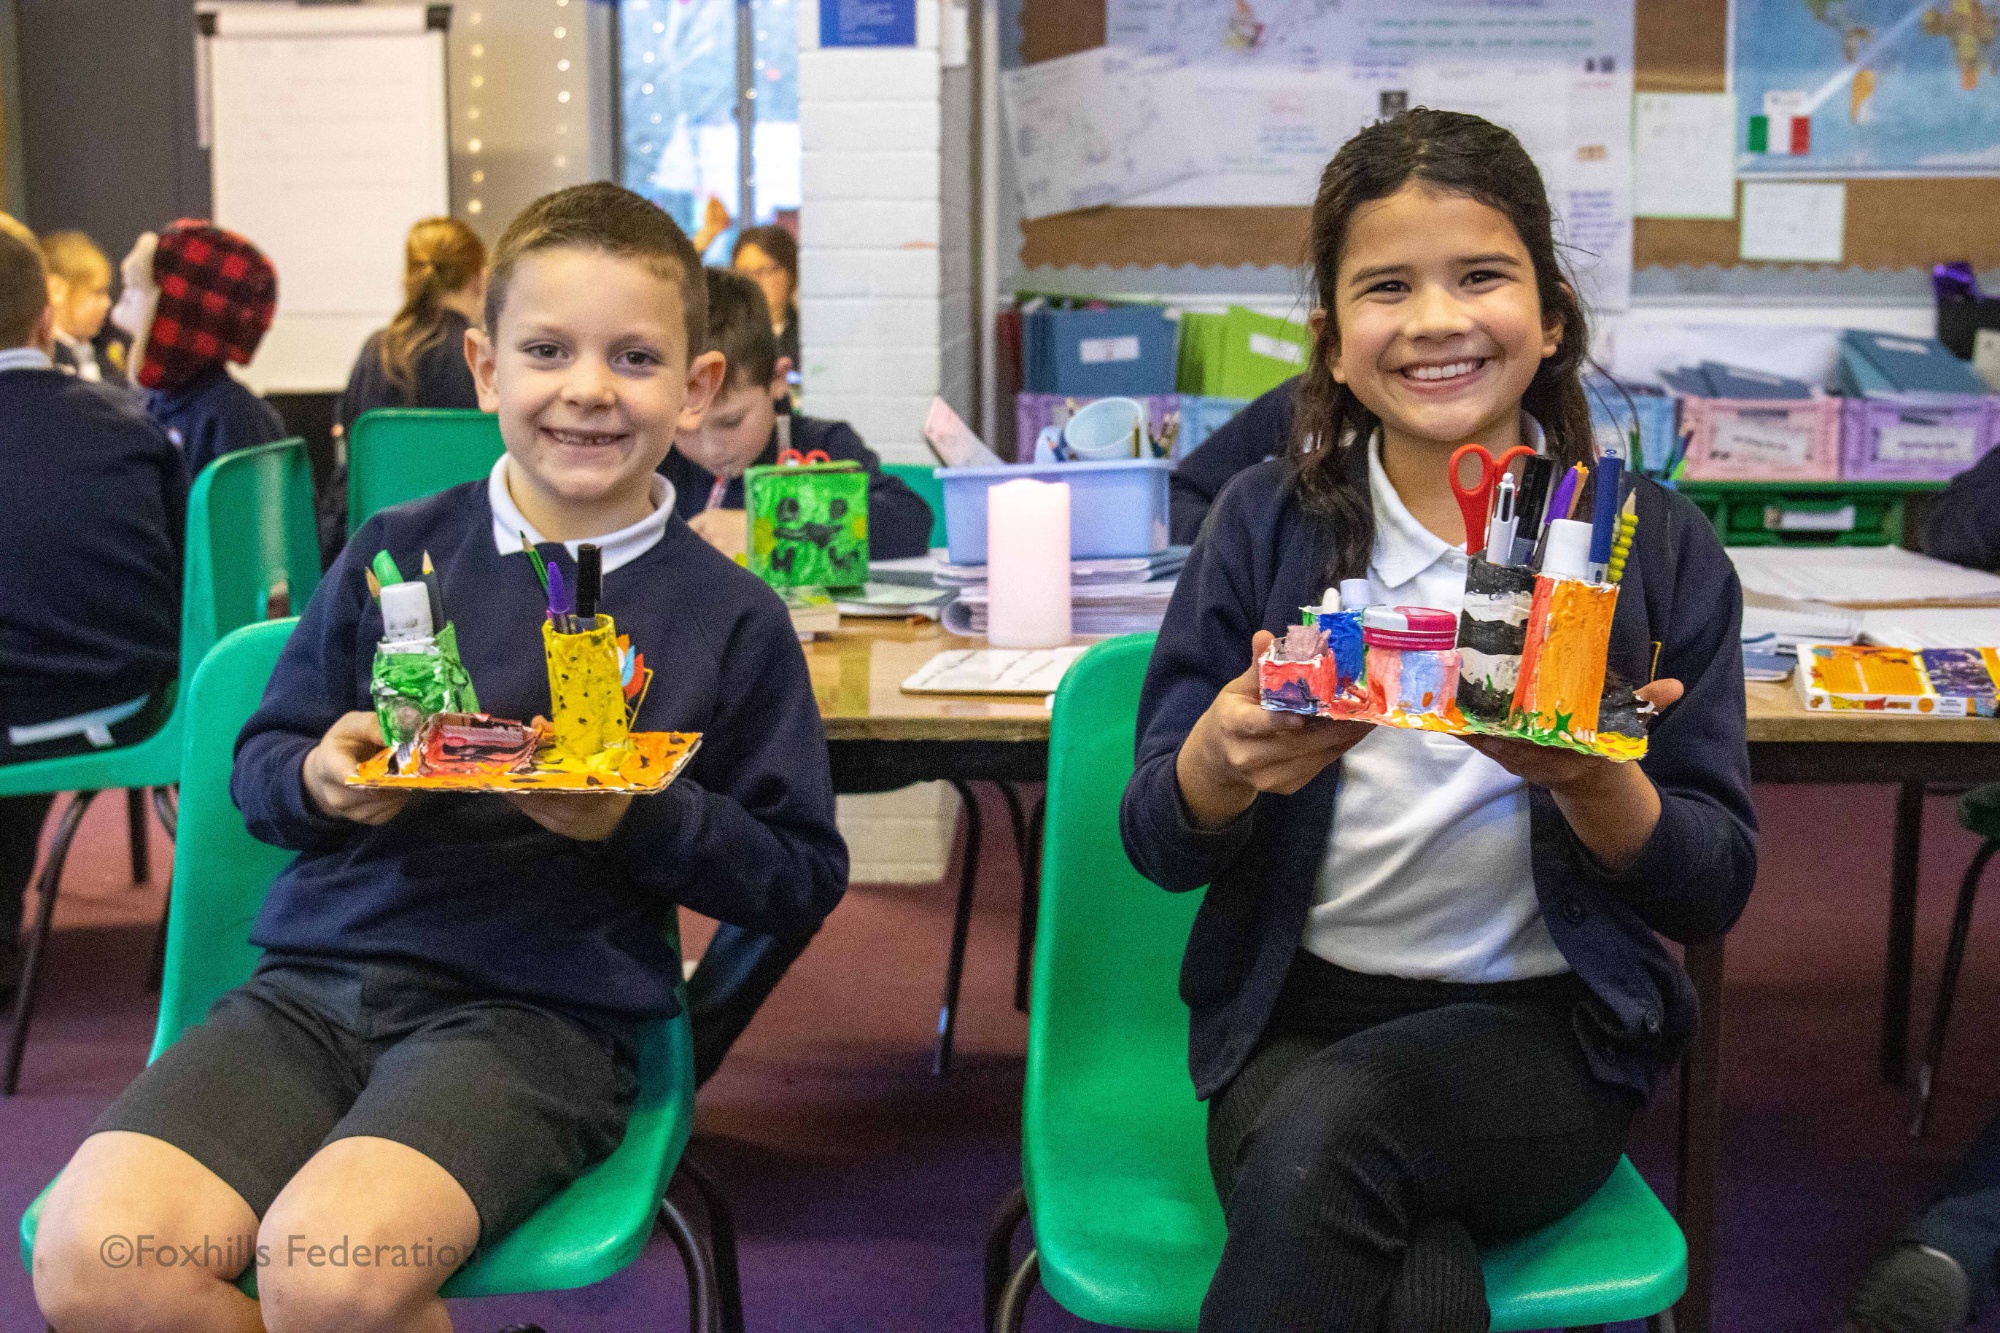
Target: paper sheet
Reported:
point(1797, 221)
point(1683, 163)
point(1097, 127)
point(1933, 627)
point(1860, 575)
point(994, 671)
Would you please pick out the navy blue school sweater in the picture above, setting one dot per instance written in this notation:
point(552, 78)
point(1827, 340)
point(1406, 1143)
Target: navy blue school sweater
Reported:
point(1260, 431)
point(1964, 522)
point(214, 414)
point(92, 517)
point(899, 521)
point(440, 377)
point(467, 882)
point(1261, 558)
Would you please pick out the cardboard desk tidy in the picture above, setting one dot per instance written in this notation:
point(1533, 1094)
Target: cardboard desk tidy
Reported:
point(1524, 658)
point(808, 522)
point(436, 738)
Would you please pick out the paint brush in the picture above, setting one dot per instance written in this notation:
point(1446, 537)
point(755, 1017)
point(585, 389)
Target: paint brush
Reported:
point(559, 603)
point(1604, 514)
point(436, 592)
point(535, 558)
point(589, 583)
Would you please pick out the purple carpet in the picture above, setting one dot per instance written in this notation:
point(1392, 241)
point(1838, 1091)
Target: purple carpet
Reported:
point(862, 1186)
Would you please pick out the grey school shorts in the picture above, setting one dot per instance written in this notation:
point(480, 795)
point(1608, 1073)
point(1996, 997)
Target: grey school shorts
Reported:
point(513, 1099)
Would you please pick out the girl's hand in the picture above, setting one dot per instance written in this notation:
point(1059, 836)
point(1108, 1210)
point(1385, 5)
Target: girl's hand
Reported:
point(584, 818)
point(1612, 806)
point(354, 737)
point(1238, 749)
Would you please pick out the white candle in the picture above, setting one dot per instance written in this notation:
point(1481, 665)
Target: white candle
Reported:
point(1027, 554)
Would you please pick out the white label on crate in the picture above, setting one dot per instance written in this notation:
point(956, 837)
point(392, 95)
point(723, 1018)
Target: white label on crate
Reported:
point(1905, 442)
point(1777, 518)
point(1099, 351)
point(1277, 349)
point(1748, 440)
point(1986, 357)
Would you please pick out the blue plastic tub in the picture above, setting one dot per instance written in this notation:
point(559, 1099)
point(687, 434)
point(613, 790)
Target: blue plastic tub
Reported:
point(1116, 509)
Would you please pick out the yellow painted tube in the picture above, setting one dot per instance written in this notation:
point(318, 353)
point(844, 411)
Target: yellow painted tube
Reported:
point(586, 700)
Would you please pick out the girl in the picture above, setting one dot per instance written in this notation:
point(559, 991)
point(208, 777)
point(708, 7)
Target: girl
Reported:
point(1426, 993)
point(419, 359)
point(769, 257)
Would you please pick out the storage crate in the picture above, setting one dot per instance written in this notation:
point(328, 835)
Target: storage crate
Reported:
point(1807, 513)
point(1749, 439)
point(1116, 509)
point(1887, 440)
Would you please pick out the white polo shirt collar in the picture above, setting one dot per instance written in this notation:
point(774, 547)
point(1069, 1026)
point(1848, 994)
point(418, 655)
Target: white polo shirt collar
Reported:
point(618, 548)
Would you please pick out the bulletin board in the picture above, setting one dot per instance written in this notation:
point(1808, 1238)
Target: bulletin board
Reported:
point(1681, 48)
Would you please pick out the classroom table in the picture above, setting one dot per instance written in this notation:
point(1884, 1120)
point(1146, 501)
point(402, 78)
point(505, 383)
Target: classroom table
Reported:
point(881, 738)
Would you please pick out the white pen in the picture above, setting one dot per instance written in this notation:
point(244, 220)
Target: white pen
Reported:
point(1500, 532)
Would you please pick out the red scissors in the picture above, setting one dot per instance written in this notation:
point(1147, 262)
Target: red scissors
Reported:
point(1476, 501)
point(793, 458)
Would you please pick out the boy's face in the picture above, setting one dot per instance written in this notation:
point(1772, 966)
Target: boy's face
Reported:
point(589, 374)
point(735, 428)
point(81, 302)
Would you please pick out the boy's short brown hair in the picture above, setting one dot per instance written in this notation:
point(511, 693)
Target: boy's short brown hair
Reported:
point(73, 256)
point(24, 283)
point(606, 217)
point(739, 327)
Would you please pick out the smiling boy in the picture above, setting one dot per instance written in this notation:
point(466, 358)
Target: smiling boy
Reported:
point(442, 1031)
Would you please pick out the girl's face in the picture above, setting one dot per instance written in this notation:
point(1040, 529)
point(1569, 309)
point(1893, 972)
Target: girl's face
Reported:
point(1440, 326)
point(769, 274)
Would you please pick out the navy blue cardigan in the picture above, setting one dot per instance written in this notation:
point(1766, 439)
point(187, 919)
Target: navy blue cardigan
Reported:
point(1259, 559)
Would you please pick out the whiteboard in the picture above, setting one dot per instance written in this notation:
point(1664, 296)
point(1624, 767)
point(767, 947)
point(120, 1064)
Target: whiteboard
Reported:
point(328, 136)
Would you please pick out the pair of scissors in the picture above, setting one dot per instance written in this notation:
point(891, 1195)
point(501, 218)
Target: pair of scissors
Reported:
point(793, 458)
point(1476, 501)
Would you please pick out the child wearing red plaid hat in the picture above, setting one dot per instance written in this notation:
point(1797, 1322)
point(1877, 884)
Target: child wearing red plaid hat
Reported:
point(196, 297)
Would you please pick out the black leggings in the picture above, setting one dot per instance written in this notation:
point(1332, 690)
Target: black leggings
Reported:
point(1386, 1128)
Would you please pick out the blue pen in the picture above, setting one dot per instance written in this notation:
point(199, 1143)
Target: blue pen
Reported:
point(1604, 514)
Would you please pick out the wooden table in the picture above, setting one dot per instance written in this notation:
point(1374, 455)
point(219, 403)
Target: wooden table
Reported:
point(881, 738)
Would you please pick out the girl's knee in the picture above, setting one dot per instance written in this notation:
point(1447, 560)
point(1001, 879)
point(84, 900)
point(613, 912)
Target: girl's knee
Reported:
point(303, 1298)
point(113, 1282)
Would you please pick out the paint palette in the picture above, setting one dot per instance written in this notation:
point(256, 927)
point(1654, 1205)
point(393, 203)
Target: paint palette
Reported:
point(1927, 682)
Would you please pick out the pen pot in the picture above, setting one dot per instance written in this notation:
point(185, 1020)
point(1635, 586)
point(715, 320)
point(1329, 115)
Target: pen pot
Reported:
point(1344, 645)
point(1412, 662)
point(1562, 664)
point(586, 698)
point(1492, 631)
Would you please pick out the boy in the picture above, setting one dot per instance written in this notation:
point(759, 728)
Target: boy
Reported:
point(197, 297)
point(90, 539)
point(743, 429)
point(80, 293)
point(442, 1031)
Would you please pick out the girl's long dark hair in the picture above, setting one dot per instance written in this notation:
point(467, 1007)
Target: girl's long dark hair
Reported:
point(1464, 155)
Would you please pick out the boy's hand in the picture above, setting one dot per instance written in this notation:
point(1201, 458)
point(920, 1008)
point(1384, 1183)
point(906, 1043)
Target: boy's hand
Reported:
point(727, 530)
point(355, 737)
point(584, 818)
point(1238, 749)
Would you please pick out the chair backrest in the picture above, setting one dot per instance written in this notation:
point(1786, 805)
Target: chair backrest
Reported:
point(220, 871)
point(401, 453)
point(922, 478)
point(252, 546)
point(1106, 1012)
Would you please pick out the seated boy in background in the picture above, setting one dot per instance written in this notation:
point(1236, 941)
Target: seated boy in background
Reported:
point(80, 294)
point(197, 297)
point(744, 428)
point(90, 539)
point(443, 1030)
point(1963, 524)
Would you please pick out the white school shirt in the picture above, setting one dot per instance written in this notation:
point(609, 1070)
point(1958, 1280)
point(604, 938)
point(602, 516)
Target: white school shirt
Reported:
point(1427, 872)
point(615, 550)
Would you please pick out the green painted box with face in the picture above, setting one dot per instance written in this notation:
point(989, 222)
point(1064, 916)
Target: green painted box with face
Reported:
point(808, 524)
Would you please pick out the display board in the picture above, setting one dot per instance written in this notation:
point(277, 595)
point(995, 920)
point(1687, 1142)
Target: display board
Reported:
point(1682, 46)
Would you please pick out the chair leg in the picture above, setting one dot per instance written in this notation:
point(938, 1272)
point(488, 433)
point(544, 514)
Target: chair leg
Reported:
point(166, 806)
point(1031, 901)
point(156, 961)
point(1000, 1250)
point(702, 1302)
point(961, 925)
point(1954, 958)
point(45, 914)
point(1663, 1322)
point(135, 824)
point(1014, 1300)
point(722, 1241)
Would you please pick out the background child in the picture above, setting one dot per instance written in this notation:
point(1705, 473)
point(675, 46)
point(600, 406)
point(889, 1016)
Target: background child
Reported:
point(80, 294)
point(746, 427)
point(90, 536)
point(419, 359)
point(1426, 994)
point(442, 1031)
point(769, 257)
point(197, 297)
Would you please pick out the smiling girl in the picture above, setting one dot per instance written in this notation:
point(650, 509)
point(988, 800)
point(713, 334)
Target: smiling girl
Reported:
point(1427, 994)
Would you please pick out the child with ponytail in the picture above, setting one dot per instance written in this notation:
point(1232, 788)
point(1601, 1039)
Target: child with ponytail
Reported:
point(419, 360)
point(1426, 984)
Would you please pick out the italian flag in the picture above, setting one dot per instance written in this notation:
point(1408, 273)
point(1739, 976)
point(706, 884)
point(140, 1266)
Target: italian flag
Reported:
point(1784, 130)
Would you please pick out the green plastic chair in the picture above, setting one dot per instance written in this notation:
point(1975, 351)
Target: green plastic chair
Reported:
point(1113, 1150)
point(251, 551)
point(922, 478)
point(401, 453)
point(590, 1230)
